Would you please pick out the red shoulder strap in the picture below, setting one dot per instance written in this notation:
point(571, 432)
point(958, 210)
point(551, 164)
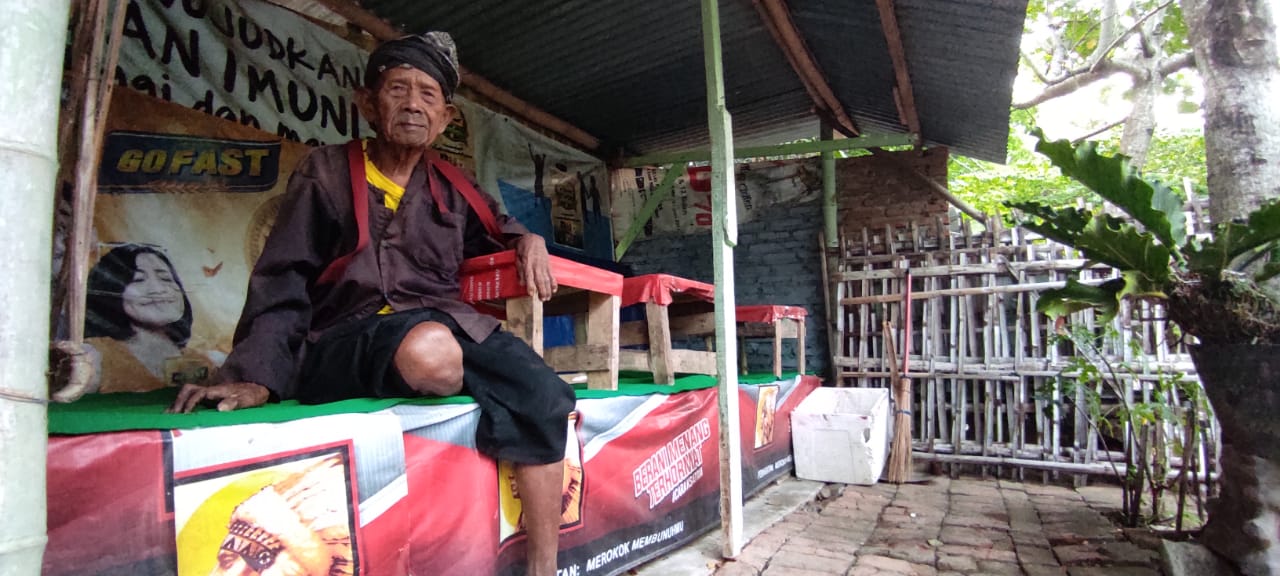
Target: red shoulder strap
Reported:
point(360, 203)
point(469, 192)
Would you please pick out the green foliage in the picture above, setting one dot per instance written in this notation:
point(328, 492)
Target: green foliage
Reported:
point(1233, 240)
point(1029, 177)
point(1153, 205)
point(1152, 254)
point(1076, 296)
point(1101, 390)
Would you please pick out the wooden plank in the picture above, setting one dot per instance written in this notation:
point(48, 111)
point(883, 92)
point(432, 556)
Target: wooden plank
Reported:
point(524, 319)
point(966, 291)
point(694, 362)
point(693, 324)
point(602, 332)
point(633, 333)
point(579, 358)
point(660, 360)
point(633, 360)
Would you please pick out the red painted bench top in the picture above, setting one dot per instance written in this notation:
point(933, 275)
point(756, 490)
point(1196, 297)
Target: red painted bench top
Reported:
point(770, 313)
point(662, 288)
point(494, 277)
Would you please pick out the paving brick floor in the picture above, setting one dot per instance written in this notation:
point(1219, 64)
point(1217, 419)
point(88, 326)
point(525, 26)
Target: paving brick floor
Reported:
point(951, 527)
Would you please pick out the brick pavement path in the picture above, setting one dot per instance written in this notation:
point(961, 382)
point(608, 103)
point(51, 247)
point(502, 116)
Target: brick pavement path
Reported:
point(952, 527)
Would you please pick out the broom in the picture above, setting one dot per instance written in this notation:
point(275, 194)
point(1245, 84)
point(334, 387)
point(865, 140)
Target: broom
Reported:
point(900, 453)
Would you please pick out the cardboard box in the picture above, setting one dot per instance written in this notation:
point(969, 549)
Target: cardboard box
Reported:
point(841, 435)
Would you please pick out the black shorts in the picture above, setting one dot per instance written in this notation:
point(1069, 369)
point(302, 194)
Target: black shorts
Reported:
point(524, 405)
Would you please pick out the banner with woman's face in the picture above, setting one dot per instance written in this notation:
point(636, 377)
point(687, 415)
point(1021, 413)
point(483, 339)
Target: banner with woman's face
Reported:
point(185, 201)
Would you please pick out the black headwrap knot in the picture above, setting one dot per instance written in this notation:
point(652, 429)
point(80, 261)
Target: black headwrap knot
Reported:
point(432, 52)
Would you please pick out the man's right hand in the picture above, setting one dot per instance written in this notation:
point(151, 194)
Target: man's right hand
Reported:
point(230, 396)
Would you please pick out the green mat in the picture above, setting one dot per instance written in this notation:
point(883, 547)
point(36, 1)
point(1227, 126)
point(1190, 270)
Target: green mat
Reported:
point(145, 411)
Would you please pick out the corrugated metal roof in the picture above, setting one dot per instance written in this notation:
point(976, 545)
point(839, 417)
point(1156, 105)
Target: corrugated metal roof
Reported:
point(631, 73)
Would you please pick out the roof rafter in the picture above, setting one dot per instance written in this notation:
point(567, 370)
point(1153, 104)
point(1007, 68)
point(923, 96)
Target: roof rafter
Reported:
point(903, 96)
point(383, 30)
point(777, 18)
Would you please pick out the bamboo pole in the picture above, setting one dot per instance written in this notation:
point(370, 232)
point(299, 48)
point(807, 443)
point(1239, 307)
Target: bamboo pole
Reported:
point(34, 33)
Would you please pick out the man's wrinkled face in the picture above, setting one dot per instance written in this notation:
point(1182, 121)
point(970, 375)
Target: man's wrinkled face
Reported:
point(408, 108)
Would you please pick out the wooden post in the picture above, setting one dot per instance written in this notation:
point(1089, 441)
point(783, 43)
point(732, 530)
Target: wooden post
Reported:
point(524, 319)
point(724, 236)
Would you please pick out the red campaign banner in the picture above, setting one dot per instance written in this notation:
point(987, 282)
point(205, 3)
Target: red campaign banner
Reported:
point(117, 506)
point(453, 500)
point(651, 483)
point(108, 512)
point(765, 423)
point(641, 479)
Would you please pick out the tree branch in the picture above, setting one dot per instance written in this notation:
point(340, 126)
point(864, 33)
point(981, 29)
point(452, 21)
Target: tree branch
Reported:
point(1176, 63)
point(1071, 84)
point(1077, 141)
point(1032, 65)
point(1102, 56)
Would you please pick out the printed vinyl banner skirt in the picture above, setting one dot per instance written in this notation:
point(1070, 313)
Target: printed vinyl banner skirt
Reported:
point(401, 490)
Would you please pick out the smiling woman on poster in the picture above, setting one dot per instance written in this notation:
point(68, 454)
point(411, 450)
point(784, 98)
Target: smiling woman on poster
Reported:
point(139, 321)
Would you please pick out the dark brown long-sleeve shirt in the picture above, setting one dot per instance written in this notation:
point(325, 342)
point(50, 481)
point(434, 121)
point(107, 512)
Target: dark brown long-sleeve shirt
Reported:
point(411, 261)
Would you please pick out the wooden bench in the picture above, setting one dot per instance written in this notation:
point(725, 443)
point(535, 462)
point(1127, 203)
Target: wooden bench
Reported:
point(673, 307)
point(776, 322)
point(589, 294)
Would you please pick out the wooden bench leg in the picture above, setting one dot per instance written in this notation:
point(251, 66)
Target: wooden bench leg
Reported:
point(800, 346)
point(777, 348)
point(660, 358)
point(524, 319)
point(602, 334)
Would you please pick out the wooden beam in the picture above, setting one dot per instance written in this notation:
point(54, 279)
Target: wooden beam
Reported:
point(662, 192)
point(903, 94)
point(777, 18)
point(383, 30)
point(789, 149)
point(950, 198)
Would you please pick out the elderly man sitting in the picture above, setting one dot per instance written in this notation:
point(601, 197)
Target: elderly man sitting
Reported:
point(356, 291)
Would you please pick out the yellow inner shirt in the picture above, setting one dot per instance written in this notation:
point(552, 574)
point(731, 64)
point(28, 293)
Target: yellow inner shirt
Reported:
point(392, 194)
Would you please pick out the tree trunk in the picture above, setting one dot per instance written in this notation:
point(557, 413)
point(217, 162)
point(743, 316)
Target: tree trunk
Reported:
point(1237, 55)
point(1236, 52)
point(1242, 382)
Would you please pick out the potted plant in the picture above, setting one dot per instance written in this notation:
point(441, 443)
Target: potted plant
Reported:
point(1215, 289)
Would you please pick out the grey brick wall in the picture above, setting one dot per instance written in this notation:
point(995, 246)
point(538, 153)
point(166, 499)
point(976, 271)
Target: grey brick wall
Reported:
point(776, 262)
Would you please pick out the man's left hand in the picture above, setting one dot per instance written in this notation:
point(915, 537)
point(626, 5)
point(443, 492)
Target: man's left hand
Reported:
point(534, 266)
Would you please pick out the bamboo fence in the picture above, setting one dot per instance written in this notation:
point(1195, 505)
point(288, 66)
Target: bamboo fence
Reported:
point(985, 365)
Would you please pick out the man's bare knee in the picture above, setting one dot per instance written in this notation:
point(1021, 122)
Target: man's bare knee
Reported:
point(430, 360)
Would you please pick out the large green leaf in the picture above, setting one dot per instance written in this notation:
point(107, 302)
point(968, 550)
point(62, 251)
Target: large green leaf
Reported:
point(1234, 239)
point(1152, 204)
point(1062, 225)
point(1075, 296)
point(1270, 267)
point(1118, 243)
point(1104, 239)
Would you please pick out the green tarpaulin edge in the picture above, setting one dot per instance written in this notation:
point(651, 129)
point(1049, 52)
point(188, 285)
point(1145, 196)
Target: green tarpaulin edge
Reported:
point(96, 413)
